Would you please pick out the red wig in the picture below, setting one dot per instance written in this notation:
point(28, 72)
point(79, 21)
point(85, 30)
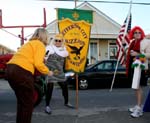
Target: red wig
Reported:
point(134, 29)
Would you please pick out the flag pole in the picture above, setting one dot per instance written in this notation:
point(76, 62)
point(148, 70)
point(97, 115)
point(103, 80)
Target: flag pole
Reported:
point(128, 17)
point(114, 74)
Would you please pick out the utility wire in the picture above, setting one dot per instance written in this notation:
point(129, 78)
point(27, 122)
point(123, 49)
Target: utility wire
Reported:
point(9, 33)
point(116, 2)
point(14, 34)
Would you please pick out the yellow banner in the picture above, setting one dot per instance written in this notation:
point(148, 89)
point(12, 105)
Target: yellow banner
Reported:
point(76, 35)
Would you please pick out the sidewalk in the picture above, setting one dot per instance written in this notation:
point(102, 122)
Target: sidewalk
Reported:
point(88, 112)
point(90, 115)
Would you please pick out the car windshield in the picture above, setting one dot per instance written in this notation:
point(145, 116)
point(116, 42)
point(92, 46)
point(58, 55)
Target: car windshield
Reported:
point(106, 65)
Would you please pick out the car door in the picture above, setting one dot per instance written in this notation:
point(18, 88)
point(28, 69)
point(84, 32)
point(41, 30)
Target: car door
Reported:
point(102, 72)
point(120, 77)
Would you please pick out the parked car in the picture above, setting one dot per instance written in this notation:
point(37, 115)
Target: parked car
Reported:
point(3, 60)
point(100, 75)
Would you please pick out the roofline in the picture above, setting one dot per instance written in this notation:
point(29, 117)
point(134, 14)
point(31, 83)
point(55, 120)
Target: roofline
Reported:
point(99, 12)
point(52, 22)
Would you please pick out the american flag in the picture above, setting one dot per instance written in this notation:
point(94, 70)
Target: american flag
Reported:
point(123, 40)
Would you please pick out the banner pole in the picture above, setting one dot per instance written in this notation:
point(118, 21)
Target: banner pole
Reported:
point(75, 2)
point(77, 91)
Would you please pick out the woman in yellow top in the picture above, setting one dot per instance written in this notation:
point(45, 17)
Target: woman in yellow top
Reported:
point(20, 72)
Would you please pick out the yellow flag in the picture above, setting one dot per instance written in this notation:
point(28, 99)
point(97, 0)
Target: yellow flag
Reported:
point(76, 35)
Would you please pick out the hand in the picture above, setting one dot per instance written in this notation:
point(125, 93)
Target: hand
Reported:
point(56, 72)
point(133, 53)
point(50, 73)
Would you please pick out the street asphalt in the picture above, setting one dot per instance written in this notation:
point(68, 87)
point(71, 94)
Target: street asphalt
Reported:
point(92, 113)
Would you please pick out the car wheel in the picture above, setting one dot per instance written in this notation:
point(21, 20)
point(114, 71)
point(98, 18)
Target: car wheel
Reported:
point(83, 84)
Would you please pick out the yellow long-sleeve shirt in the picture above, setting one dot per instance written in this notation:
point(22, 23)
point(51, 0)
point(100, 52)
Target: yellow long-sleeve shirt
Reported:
point(31, 56)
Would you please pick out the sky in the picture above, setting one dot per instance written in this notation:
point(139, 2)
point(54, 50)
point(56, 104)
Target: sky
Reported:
point(30, 12)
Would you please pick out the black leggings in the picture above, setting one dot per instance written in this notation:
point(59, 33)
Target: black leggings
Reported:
point(49, 91)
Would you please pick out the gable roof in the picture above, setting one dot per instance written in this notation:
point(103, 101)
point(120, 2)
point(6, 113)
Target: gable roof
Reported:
point(103, 26)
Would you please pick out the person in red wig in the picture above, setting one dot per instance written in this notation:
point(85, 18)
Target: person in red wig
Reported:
point(136, 35)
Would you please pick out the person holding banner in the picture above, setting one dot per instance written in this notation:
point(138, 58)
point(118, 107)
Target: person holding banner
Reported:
point(136, 36)
point(55, 58)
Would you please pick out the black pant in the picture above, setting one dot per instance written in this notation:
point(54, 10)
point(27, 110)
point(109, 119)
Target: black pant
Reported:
point(49, 91)
point(21, 81)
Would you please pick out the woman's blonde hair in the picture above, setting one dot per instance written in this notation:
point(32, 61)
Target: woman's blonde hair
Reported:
point(40, 34)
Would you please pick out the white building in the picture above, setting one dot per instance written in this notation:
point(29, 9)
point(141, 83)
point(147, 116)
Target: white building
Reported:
point(103, 36)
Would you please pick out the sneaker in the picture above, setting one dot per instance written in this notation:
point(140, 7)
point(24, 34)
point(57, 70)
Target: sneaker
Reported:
point(69, 105)
point(137, 112)
point(133, 108)
point(48, 110)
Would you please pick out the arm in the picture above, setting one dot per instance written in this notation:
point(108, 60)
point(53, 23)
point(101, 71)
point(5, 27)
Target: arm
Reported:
point(134, 53)
point(49, 51)
point(66, 53)
point(39, 54)
point(145, 47)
